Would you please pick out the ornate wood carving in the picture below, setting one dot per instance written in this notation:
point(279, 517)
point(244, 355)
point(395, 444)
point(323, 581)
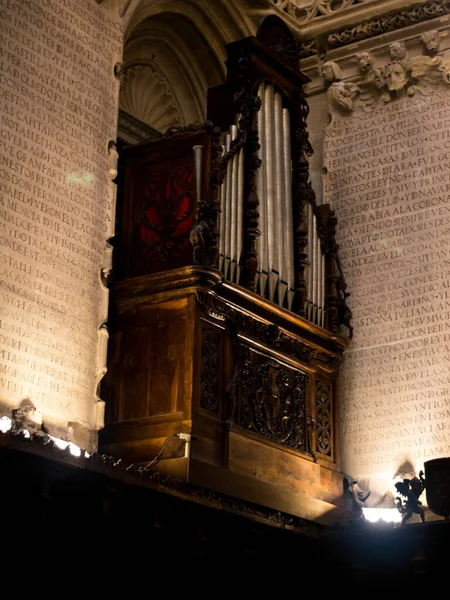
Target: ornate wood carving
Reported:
point(302, 195)
point(248, 105)
point(323, 421)
point(399, 77)
point(181, 130)
point(266, 333)
point(339, 313)
point(269, 399)
point(277, 36)
point(209, 397)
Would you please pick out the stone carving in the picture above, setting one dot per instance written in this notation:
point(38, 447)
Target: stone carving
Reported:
point(306, 49)
point(432, 40)
point(390, 22)
point(340, 94)
point(378, 85)
point(209, 397)
point(146, 95)
point(370, 75)
point(304, 11)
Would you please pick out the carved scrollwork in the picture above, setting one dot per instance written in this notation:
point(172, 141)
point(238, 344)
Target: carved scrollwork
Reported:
point(304, 11)
point(266, 333)
point(180, 130)
point(209, 397)
point(248, 105)
point(270, 400)
point(323, 419)
point(390, 22)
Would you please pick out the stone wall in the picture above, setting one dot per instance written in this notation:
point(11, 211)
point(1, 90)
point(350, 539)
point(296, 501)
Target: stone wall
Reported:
point(380, 124)
point(58, 114)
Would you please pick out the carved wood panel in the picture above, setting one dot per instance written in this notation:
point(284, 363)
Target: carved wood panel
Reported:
point(269, 399)
point(210, 370)
point(324, 419)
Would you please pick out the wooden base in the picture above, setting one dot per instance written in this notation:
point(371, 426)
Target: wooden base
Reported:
point(254, 384)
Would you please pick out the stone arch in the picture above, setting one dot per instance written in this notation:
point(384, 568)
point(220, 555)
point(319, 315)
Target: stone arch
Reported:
point(173, 52)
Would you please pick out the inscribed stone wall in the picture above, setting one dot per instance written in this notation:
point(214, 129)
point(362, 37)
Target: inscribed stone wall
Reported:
point(58, 112)
point(389, 180)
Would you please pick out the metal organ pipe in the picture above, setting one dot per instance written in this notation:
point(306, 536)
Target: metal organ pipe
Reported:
point(240, 213)
point(263, 241)
point(289, 221)
point(227, 212)
point(275, 245)
point(234, 205)
point(222, 219)
point(270, 223)
point(309, 278)
point(315, 279)
point(279, 257)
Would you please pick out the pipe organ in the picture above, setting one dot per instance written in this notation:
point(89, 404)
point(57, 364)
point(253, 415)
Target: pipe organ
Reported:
point(229, 317)
point(275, 278)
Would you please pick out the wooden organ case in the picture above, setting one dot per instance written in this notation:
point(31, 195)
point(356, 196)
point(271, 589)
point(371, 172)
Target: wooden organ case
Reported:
point(228, 301)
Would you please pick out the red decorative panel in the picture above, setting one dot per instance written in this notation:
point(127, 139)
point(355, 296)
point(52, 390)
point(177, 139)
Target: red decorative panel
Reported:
point(167, 216)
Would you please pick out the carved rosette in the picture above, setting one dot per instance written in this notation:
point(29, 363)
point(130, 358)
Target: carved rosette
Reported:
point(323, 419)
point(209, 397)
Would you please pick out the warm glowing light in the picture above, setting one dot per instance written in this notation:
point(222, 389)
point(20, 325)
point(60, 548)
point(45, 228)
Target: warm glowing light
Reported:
point(5, 424)
point(62, 445)
point(388, 515)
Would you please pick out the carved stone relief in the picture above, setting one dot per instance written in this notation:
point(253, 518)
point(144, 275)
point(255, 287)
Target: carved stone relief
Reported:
point(146, 95)
point(304, 11)
point(376, 86)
